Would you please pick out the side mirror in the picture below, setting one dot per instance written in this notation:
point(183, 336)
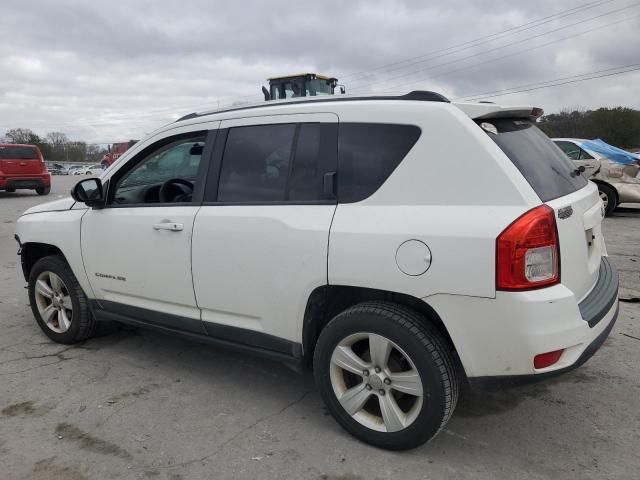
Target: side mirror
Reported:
point(89, 192)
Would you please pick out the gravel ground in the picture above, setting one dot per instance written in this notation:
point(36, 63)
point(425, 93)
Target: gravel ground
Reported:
point(137, 404)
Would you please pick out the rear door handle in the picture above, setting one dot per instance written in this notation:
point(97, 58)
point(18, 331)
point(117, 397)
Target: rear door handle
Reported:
point(172, 226)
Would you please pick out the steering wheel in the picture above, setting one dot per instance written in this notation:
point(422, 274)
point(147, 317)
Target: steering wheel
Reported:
point(175, 189)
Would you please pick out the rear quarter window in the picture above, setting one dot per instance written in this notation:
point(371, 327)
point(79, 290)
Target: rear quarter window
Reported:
point(367, 155)
point(548, 170)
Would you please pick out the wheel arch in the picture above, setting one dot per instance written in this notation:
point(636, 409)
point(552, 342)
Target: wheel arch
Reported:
point(597, 181)
point(326, 301)
point(31, 252)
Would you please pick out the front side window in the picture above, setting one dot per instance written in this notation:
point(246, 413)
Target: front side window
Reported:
point(165, 175)
point(570, 149)
point(573, 151)
point(255, 164)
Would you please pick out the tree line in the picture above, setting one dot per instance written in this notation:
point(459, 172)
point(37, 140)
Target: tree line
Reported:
point(617, 126)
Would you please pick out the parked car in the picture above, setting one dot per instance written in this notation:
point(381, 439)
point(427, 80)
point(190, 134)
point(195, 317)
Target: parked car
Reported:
point(325, 233)
point(615, 171)
point(93, 170)
point(57, 169)
point(22, 168)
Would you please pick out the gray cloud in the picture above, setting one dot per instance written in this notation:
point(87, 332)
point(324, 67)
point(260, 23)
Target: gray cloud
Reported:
point(108, 71)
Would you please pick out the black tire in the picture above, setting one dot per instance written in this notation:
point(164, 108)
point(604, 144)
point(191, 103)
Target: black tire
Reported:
point(422, 343)
point(83, 324)
point(612, 197)
point(10, 190)
point(43, 190)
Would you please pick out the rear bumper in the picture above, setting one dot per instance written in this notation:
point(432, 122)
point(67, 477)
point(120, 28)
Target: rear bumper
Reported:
point(25, 182)
point(502, 381)
point(497, 339)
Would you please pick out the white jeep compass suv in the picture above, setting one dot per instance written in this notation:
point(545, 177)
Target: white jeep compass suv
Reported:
point(396, 245)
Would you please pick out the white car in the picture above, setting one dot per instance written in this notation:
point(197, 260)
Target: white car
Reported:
point(329, 234)
point(617, 182)
point(87, 170)
point(92, 170)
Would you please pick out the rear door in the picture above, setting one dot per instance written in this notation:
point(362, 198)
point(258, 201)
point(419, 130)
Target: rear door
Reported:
point(560, 185)
point(18, 160)
point(260, 239)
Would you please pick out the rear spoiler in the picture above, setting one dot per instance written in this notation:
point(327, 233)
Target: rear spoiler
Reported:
point(485, 111)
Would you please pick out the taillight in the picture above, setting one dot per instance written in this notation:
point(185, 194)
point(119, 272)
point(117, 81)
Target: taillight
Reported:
point(528, 252)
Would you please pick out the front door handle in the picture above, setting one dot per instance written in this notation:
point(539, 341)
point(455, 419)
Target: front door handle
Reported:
point(167, 225)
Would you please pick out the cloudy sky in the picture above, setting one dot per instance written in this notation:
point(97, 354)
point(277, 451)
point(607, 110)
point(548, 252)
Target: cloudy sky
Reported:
point(109, 70)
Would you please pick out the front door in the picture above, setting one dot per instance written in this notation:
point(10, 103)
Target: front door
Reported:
point(137, 250)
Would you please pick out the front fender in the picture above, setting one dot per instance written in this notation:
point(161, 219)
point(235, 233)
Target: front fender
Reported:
point(60, 229)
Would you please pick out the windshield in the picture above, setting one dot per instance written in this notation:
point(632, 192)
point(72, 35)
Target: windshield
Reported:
point(547, 169)
point(8, 152)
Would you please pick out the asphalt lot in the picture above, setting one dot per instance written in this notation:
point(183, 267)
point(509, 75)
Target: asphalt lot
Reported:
point(137, 404)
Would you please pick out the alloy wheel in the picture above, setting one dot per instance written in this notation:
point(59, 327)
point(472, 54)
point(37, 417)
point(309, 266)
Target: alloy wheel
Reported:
point(53, 302)
point(604, 197)
point(376, 382)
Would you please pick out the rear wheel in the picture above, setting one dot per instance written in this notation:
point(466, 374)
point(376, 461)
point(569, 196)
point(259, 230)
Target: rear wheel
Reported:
point(609, 197)
point(386, 375)
point(43, 190)
point(10, 190)
point(58, 302)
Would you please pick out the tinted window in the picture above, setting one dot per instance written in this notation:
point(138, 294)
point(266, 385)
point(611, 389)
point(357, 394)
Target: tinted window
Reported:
point(255, 164)
point(547, 169)
point(177, 160)
point(367, 154)
point(315, 155)
point(8, 152)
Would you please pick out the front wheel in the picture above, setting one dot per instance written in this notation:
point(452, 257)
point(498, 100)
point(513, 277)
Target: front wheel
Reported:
point(43, 190)
point(386, 375)
point(609, 197)
point(58, 302)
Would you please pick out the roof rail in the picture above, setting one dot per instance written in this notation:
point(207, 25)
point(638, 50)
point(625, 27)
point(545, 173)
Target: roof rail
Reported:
point(417, 95)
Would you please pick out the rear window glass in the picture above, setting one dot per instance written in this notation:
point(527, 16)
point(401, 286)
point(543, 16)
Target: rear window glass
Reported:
point(547, 169)
point(8, 152)
point(367, 155)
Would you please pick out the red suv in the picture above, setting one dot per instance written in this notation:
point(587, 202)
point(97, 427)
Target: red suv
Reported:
point(22, 166)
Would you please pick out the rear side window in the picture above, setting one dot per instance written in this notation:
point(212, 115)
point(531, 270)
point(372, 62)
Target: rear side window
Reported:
point(8, 152)
point(255, 165)
point(367, 155)
point(278, 163)
point(315, 155)
point(547, 169)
